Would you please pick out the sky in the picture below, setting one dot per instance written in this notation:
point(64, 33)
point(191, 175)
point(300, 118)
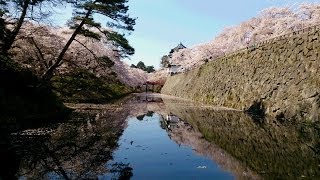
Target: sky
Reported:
point(163, 24)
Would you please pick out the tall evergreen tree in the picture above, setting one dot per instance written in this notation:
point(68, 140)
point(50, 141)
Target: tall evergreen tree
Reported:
point(83, 23)
point(150, 69)
point(141, 65)
point(165, 61)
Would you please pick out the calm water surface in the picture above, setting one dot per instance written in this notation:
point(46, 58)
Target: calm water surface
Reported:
point(152, 137)
point(154, 155)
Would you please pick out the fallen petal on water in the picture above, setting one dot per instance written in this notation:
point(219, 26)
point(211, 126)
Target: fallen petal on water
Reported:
point(202, 167)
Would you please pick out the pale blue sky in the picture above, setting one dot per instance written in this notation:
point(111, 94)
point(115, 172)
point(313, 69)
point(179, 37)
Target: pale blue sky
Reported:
point(162, 24)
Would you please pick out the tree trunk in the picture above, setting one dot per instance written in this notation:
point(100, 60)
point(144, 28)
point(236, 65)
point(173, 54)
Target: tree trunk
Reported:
point(49, 73)
point(7, 46)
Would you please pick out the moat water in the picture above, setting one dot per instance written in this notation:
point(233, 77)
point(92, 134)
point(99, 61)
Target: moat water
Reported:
point(150, 136)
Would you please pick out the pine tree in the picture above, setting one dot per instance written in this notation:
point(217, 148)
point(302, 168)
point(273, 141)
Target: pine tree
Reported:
point(83, 23)
point(150, 69)
point(141, 65)
point(165, 61)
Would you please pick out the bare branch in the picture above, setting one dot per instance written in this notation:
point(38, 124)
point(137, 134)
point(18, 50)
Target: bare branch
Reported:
point(32, 41)
point(94, 55)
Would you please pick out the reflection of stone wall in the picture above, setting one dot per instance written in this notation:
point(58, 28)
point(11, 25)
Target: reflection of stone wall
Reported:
point(283, 73)
point(272, 149)
point(185, 134)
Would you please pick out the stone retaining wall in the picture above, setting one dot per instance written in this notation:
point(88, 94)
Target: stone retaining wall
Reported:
point(283, 74)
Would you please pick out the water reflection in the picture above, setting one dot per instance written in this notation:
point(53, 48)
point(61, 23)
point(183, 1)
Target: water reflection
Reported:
point(153, 155)
point(149, 136)
point(76, 149)
point(272, 149)
point(183, 133)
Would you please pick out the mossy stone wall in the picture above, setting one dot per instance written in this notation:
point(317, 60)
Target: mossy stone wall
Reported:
point(283, 73)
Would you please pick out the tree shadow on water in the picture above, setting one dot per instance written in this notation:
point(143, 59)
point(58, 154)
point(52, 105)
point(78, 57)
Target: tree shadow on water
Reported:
point(148, 114)
point(121, 171)
point(77, 149)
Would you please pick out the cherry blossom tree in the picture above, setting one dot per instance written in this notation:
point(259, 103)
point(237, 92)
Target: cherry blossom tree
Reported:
point(271, 22)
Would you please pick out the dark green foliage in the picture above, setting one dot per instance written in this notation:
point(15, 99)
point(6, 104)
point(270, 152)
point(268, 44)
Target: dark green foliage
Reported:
point(165, 61)
point(121, 43)
point(149, 69)
point(24, 96)
point(81, 86)
point(143, 67)
point(106, 60)
point(83, 23)
point(115, 11)
point(21, 99)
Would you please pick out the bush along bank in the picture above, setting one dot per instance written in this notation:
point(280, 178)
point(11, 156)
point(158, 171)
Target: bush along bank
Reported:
point(21, 100)
point(81, 86)
point(280, 76)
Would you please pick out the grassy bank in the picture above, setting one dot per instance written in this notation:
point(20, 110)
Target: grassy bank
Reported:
point(81, 86)
point(23, 102)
